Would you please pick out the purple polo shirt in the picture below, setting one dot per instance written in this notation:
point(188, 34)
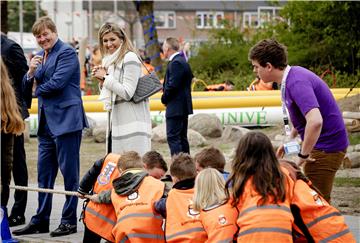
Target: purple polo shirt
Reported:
point(305, 91)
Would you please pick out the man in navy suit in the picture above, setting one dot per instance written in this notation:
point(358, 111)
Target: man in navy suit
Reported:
point(15, 60)
point(177, 97)
point(56, 73)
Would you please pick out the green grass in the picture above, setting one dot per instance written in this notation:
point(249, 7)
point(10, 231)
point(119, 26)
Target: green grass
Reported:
point(346, 182)
point(354, 138)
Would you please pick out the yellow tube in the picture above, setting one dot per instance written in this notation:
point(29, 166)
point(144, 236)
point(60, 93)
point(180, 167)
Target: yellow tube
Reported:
point(236, 93)
point(200, 103)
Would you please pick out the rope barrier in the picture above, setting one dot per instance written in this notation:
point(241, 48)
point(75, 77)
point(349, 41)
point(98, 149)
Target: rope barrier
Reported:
point(46, 190)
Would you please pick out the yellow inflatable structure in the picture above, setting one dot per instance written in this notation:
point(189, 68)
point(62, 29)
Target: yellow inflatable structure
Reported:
point(212, 100)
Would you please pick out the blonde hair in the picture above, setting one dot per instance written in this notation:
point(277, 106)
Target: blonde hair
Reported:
point(129, 160)
point(11, 120)
point(43, 23)
point(209, 189)
point(115, 29)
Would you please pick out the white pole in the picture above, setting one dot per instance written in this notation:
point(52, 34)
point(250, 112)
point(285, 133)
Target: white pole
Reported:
point(37, 9)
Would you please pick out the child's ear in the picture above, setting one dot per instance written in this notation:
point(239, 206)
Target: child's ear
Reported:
point(145, 166)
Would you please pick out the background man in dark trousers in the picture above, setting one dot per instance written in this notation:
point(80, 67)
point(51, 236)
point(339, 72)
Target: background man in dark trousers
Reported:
point(14, 59)
point(177, 97)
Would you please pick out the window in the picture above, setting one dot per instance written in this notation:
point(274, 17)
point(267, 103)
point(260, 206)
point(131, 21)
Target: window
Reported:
point(165, 19)
point(267, 14)
point(262, 16)
point(250, 19)
point(208, 20)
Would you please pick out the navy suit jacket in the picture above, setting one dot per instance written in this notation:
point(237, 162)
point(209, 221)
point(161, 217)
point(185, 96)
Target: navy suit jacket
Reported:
point(58, 90)
point(177, 88)
point(15, 61)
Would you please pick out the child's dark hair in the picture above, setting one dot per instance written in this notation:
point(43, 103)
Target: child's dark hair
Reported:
point(255, 158)
point(154, 159)
point(182, 166)
point(211, 157)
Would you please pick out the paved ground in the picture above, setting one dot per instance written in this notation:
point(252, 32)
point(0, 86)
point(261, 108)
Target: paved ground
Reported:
point(58, 200)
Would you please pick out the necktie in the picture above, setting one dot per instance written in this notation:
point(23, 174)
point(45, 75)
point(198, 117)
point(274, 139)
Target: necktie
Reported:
point(45, 56)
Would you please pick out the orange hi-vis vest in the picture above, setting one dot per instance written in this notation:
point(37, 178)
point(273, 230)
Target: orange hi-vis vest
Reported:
point(100, 218)
point(182, 222)
point(219, 222)
point(215, 87)
point(136, 219)
point(264, 223)
point(316, 218)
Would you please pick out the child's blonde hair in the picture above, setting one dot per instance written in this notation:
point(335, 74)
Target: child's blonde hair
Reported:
point(11, 120)
point(209, 189)
point(129, 160)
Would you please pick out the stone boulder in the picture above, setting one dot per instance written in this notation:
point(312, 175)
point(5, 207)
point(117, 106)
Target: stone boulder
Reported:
point(354, 158)
point(233, 133)
point(208, 125)
point(159, 133)
point(99, 134)
point(195, 139)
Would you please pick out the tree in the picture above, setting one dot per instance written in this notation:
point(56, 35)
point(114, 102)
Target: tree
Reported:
point(152, 47)
point(29, 15)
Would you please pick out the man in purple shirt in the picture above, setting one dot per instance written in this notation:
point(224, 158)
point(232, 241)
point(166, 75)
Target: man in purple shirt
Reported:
point(313, 112)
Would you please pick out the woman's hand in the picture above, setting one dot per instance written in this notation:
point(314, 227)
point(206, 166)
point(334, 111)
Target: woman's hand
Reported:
point(99, 73)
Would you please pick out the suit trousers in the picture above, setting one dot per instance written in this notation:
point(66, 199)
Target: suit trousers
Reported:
point(176, 131)
point(20, 175)
point(54, 153)
point(7, 143)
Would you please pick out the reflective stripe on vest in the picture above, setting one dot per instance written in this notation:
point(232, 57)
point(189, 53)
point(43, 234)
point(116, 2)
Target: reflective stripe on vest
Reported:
point(135, 215)
point(97, 214)
point(185, 232)
point(270, 229)
point(277, 207)
point(101, 218)
point(335, 236)
point(142, 236)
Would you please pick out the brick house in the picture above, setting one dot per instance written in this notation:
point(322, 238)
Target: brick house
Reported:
point(188, 20)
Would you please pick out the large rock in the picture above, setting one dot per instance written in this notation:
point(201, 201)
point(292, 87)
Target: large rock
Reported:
point(159, 133)
point(88, 131)
point(207, 125)
point(233, 133)
point(354, 157)
point(99, 134)
point(195, 139)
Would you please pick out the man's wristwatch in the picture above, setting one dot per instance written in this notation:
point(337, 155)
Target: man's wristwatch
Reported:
point(300, 155)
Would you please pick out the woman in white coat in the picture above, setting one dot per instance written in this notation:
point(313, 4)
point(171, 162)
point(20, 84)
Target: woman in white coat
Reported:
point(129, 124)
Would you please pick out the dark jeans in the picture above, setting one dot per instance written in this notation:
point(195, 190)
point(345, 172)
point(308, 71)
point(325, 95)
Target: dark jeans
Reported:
point(20, 175)
point(176, 131)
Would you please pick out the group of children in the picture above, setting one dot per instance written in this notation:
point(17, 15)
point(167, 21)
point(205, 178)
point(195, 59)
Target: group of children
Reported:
point(261, 200)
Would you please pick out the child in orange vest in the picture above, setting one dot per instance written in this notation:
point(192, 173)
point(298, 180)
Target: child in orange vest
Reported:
point(182, 221)
point(315, 219)
point(260, 191)
point(132, 196)
point(211, 158)
point(99, 178)
point(216, 213)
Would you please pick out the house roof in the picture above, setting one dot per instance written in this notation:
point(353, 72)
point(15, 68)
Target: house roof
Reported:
point(183, 5)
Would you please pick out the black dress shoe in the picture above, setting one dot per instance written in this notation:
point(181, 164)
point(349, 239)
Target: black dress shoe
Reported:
point(64, 229)
point(16, 220)
point(32, 229)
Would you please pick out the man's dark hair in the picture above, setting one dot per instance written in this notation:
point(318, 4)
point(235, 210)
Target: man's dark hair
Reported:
point(269, 51)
